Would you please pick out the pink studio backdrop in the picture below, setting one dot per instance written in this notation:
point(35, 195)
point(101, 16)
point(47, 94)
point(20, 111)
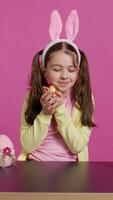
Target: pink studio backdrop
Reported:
point(24, 31)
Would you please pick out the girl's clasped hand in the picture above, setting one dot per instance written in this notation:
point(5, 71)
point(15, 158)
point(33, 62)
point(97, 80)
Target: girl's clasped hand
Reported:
point(50, 99)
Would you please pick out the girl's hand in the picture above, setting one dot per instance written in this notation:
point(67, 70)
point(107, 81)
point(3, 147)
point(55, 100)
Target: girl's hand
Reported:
point(60, 97)
point(50, 101)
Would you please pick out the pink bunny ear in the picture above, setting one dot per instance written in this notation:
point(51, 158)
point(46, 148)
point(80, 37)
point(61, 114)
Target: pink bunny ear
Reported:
point(72, 25)
point(55, 26)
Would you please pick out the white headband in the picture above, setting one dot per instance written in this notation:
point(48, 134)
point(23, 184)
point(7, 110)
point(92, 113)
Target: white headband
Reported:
point(71, 30)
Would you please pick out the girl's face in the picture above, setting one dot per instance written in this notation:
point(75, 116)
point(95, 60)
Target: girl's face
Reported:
point(61, 72)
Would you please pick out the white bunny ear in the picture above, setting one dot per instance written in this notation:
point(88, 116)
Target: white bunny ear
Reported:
point(72, 25)
point(55, 26)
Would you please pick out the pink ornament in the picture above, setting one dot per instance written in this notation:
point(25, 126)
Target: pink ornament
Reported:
point(7, 151)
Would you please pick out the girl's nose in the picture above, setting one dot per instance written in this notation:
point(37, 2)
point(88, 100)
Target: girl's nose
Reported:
point(64, 75)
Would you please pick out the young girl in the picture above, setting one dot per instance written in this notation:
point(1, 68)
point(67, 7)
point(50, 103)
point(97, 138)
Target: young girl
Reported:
point(57, 115)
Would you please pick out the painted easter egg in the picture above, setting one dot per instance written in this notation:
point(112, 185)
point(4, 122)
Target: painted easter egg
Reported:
point(7, 151)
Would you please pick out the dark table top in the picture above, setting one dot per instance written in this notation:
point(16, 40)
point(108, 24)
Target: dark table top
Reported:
point(32, 176)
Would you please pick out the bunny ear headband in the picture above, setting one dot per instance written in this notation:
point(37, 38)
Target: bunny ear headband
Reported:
point(71, 30)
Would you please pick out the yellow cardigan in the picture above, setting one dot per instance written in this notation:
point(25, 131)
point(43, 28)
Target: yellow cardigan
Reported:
point(75, 135)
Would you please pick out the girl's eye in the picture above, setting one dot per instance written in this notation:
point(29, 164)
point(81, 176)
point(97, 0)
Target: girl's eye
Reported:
point(73, 69)
point(56, 69)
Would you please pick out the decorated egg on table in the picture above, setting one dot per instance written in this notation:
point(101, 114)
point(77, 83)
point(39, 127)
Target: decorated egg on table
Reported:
point(7, 151)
